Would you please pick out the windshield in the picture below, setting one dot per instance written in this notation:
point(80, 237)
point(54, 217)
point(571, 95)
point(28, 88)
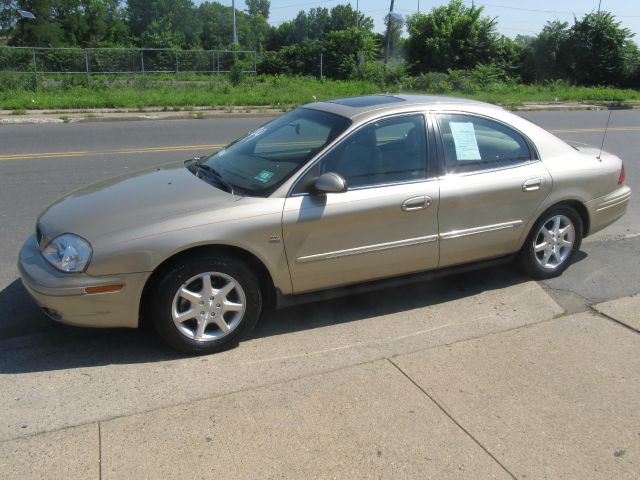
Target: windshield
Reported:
point(262, 160)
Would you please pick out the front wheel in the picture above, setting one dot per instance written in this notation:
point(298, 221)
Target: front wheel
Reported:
point(206, 304)
point(552, 243)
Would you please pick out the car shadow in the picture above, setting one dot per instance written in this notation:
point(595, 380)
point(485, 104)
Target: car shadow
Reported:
point(386, 301)
point(30, 342)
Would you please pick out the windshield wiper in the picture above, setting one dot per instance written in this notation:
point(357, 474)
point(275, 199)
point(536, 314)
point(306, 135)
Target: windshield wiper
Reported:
point(211, 172)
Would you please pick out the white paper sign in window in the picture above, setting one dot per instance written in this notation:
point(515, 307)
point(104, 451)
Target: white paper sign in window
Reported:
point(464, 138)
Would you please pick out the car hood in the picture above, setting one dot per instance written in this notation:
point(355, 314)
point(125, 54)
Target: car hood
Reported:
point(131, 201)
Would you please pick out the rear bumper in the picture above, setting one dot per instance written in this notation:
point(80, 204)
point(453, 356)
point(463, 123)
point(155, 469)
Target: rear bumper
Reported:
point(63, 298)
point(605, 210)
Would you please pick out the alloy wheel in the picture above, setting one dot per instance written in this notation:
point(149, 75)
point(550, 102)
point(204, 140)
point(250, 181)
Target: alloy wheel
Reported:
point(554, 241)
point(208, 306)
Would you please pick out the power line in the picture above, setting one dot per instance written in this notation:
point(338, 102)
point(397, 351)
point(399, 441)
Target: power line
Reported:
point(535, 10)
point(321, 2)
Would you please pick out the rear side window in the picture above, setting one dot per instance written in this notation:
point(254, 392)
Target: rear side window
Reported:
point(474, 144)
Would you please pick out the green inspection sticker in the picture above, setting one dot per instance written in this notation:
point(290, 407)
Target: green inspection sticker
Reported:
point(264, 176)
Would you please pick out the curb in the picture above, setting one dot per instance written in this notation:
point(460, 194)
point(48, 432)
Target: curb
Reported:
point(7, 117)
point(75, 116)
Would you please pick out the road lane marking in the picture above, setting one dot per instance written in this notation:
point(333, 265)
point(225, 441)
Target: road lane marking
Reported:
point(595, 130)
point(123, 151)
point(182, 148)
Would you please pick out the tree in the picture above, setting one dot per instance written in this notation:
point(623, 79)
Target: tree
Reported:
point(546, 57)
point(258, 7)
point(181, 16)
point(159, 34)
point(598, 49)
point(346, 49)
point(44, 31)
point(316, 24)
point(216, 33)
point(343, 17)
point(453, 36)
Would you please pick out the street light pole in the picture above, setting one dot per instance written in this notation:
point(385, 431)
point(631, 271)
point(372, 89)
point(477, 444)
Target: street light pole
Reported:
point(235, 34)
point(389, 20)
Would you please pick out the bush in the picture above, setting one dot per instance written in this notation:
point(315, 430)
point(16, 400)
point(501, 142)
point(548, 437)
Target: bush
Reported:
point(236, 75)
point(393, 76)
point(272, 63)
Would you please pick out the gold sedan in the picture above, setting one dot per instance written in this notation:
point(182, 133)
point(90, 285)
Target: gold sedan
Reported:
point(340, 195)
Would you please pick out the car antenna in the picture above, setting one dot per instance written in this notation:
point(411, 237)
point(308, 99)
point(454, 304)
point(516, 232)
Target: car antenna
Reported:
point(604, 136)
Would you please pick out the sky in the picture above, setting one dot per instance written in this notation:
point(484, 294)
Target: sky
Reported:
point(514, 17)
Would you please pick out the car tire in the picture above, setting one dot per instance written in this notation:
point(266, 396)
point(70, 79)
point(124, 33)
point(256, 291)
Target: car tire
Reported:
point(197, 316)
point(552, 243)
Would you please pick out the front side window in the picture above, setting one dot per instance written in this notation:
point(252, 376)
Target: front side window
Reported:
point(258, 163)
point(387, 151)
point(474, 143)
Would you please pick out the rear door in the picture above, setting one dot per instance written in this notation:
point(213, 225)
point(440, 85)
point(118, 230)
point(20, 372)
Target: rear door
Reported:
point(493, 183)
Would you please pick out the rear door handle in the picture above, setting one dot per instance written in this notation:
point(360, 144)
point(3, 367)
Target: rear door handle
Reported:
point(416, 203)
point(532, 184)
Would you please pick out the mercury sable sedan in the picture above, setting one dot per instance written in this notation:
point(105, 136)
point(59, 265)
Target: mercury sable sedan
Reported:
point(331, 197)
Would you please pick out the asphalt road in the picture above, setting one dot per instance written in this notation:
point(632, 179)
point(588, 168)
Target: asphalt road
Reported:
point(39, 163)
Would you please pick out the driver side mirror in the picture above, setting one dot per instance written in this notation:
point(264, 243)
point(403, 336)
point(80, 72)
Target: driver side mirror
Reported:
point(330, 182)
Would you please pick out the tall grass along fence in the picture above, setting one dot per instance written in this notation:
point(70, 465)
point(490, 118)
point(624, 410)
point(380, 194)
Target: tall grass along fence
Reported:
point(135, 61)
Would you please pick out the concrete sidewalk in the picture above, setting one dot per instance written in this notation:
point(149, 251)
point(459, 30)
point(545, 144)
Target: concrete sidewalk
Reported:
point(553, 397)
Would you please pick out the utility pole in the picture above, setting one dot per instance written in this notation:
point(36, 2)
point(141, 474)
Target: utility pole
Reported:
point(418, 6)
point(235, 34)
point(599, 4)
point(357, 13)
point(389, 20)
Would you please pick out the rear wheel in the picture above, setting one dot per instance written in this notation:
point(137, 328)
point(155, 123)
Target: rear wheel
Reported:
point(552, 243)
point(207, 304)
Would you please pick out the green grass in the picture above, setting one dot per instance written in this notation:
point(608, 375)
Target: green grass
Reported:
point(21, 93)
point(279, 92)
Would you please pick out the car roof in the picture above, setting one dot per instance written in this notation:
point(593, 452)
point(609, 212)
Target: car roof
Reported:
point(353, 107)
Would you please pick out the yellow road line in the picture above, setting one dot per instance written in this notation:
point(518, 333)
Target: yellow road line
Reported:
point(125, 151)
point(182, 148)
point(596, 130)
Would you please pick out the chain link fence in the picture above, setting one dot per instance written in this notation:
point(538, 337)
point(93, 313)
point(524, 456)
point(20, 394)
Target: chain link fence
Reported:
point(115, 61)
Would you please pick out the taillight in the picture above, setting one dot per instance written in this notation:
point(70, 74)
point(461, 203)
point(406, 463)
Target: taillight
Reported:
point(621, 177)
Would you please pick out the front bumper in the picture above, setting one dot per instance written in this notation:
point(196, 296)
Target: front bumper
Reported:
point(63, 298)
point(605, 210)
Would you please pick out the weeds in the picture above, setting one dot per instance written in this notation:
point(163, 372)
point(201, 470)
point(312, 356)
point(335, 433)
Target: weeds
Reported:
point(21, 92)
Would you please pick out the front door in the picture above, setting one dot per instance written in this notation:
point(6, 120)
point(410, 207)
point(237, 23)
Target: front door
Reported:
point(386, 224)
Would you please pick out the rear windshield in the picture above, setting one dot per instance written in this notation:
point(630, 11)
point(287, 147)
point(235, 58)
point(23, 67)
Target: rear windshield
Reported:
point(258, 163)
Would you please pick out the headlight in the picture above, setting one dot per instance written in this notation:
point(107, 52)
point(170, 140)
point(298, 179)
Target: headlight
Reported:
point(68, 253)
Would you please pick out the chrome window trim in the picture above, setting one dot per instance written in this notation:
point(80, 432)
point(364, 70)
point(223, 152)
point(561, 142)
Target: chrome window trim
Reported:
point(367, 249)
point(533, 150)
point(347, 134)
point(369, 187)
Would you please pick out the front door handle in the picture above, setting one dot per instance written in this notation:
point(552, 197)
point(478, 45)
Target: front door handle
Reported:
point(532, 184)
point(416, 203)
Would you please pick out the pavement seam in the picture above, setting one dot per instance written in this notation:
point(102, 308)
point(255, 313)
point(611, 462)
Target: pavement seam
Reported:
point(550, 290)
point(459, 425)
point(598, 313)
point(279, 382)
point(99, 451)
